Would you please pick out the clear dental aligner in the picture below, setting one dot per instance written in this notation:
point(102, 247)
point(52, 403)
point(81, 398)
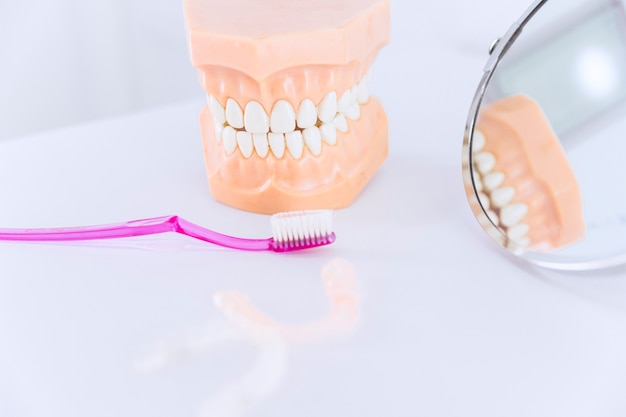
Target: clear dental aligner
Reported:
point(522, 177)
point(289, 120)
point(246, 324)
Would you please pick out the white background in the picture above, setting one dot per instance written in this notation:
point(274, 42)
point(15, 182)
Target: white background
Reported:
point(67, 61)
point(448, 325)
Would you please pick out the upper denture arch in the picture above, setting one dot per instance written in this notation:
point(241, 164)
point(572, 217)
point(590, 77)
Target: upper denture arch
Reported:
point(290, 125)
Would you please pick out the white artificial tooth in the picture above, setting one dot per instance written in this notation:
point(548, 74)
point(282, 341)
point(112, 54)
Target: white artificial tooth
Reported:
point(354, 111)
point(219, 130)
point(295, 143)
point(485, 162)
point(344, 102)
point(244, 141)
point(217, 110)
point(307, 114)
point(234, 115)
point(518, 232)
point(313, 139)
point(255, 118)
point(363, 95)
point(502, 196)
point(513, 214)
point(277, 144)
point(341, 123)
point(229, 136)
point(368, 75)
point(484, 201)
point(329, 133)
point(354, 95)
point(283, 118)
point(260, 144)
point(525, 242)
point(493, 180)
point(328, 108)
point(478, 141)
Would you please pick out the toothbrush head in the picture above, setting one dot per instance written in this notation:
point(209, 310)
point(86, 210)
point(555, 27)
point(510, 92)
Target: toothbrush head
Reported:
point(306, 229)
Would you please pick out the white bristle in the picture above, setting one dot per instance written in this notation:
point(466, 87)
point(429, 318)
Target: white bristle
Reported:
point(300, 227)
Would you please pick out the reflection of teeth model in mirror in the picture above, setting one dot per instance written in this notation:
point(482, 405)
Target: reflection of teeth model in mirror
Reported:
point(523, 179)
point(289, 121)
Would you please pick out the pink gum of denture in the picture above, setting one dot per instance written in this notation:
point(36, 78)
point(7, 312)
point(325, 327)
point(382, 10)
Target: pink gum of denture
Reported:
point(530, 155)
point(266, 51)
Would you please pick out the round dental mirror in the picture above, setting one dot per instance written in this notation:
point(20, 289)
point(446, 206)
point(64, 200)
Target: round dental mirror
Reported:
point(544, 156)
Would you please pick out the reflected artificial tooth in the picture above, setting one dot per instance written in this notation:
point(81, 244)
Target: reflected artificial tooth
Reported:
point(485, 162)
point(219, 130)
point(494, 217)
point(354, 111)
point(329, 133)
point(502, 196)
point(283, 119)
point(513, 214)
point(518, 232)
point(467, 180)
point(260, 144)
point(493, 180)
point(363, 95)
point(277, 144)
point(307, 114)
point(255, 118)
point(478, 184)
point(244, 141)
point(478, 141)
point(344, 102)
point(313, 139)
point(229, 136)
point(328, 108)
point(482, 219)
point(295, 143)
point(217, 110)
point(341, 123)
point(484, 201)
point(234, 115)
point(465, 159)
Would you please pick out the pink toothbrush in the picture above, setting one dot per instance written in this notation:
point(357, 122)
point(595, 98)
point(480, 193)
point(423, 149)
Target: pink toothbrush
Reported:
point(292, 231)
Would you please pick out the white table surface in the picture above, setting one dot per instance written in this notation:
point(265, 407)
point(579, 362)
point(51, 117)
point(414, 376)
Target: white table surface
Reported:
point(447, 324)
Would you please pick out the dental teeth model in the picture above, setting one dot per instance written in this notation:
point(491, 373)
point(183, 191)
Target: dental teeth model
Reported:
point(289, 122)
point(523, 180)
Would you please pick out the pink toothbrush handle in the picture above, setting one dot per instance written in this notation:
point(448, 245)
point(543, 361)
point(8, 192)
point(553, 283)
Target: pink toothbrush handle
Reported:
point(134, 228)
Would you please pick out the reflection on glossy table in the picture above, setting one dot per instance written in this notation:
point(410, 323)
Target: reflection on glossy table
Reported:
point(413, 311)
